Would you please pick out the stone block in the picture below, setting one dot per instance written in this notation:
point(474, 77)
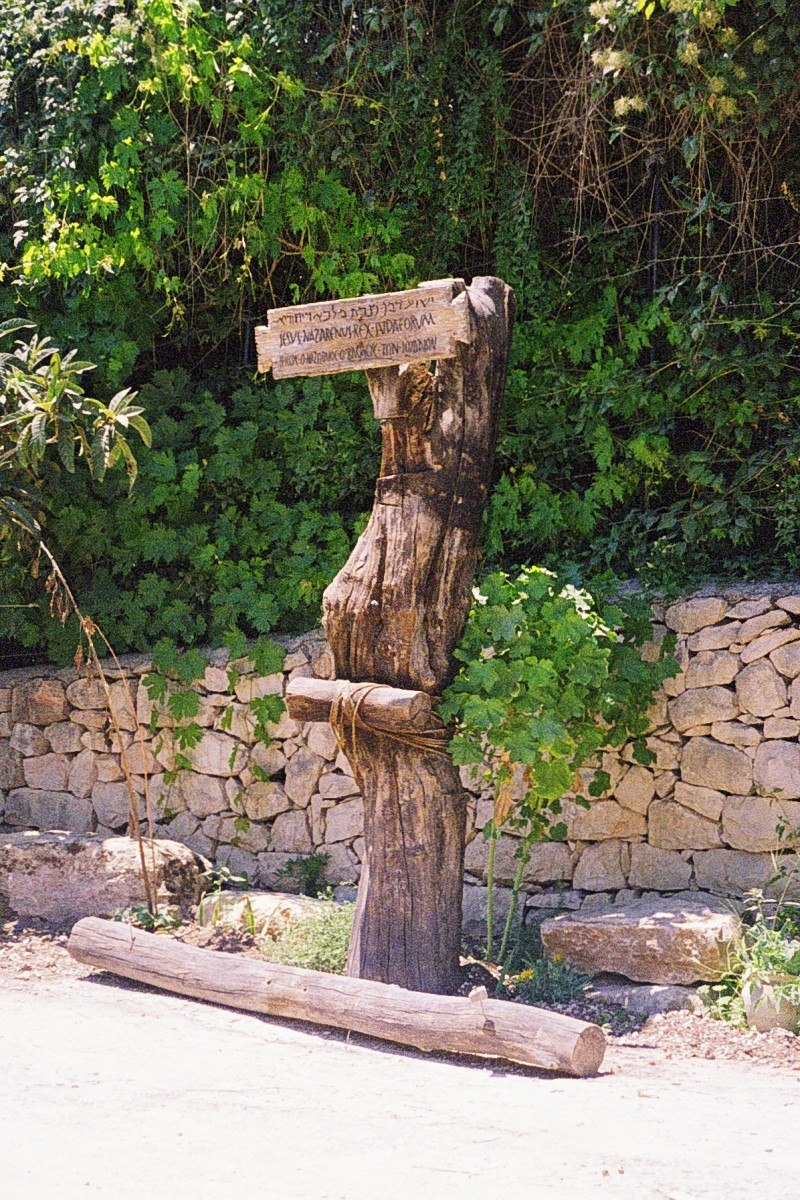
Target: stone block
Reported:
point(767, 643)
point(270, 758)
point(254, 687)
point(776, 769)
point(240, 863)
point(715, 637)
point(758, 823)
point(687, 616)
point(702, 706)
point(667, 754)
point(48, 810)
point(665, 783)
point(82, 774)
point(641, 1001)
point(781, 727)
point(705, 801)
point(605, 819)
point(6, 696)
point(112, 803)
point(750, 608)
point(303, 771)
point(183, 826)
point(202, 795)
point(30, 740)
point(760, 690)
point(732, 872)
point(711, 668)
point(672, 826)
point(475, 909)
point(49, 772)
point(284, 728)
point(775, 618)
point(123, 704)
point(140, 758)
point(87, 693)
point(11, 773)
point(90, 718)
point(269, 873)
point(321, 740)
point(215, 680)
point(290, 833)
point(654, 869)
point(217, 754)
point(550, 862)
point(341, 867)
point(735, 733)
point(64, 737)
point(677, 683)
point(250, 836)
point(654, 941)
point(786, 659)
point(790, 603)
point(345, 821)
point(61, 877)
point(264, 800)
point(603, 866)
point(635, 789)
point(335, 786)
point(712, 764)
point(108, 768)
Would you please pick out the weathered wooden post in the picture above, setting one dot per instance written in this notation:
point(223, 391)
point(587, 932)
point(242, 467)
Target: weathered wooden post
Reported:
point(394, 612)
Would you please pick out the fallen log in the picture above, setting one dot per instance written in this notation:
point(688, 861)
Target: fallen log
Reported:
point(382, 706)
point(473, 1025)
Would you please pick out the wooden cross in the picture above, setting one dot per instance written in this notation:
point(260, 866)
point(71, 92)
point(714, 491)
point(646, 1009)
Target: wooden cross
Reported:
point(395, 611)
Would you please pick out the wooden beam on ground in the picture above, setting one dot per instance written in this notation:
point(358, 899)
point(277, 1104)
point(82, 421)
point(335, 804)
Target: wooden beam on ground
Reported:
point(456, 1025)
point(382, 706)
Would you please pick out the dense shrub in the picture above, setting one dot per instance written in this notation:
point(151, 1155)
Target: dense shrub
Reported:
point(169, 169)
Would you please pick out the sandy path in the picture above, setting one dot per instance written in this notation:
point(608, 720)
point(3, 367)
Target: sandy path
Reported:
point(111, 1092)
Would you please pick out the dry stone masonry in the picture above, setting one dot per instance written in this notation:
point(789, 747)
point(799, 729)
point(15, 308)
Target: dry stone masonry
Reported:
point(709, 816)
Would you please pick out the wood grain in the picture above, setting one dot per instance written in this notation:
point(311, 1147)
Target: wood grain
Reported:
point(474, 1026)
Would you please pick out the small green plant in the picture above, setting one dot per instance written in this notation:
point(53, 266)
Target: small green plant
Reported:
point(550, 677)
point(549, 981)
point(221, 878)
point(318, 942)
point(305, 873)
point(140, 916)
point(768, 952)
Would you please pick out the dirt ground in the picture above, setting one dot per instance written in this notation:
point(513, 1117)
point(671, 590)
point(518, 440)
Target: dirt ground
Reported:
point(112, 1090)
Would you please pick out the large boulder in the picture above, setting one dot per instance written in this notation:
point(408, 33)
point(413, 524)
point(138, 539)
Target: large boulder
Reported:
point(61, 877)
point(652, 941)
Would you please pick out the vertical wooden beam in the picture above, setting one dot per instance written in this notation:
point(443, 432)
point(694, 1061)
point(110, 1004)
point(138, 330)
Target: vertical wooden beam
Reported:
point(393, 615)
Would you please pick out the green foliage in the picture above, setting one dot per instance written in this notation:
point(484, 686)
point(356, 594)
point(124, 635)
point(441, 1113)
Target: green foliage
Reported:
point(43, 406)
point(242, 513)
point(305, 874)
point(767, 952)
point(550, 677)
point(549, 981)
point(169, 170)
point(140, 916)
point(317, 942)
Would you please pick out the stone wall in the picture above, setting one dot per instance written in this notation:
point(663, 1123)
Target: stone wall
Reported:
point(721, 798)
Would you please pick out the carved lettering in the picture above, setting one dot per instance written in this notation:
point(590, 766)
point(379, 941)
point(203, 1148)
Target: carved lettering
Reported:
point(370, 331)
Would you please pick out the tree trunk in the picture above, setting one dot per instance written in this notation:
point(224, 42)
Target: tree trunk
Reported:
point(393, 615)
point(477, 1025)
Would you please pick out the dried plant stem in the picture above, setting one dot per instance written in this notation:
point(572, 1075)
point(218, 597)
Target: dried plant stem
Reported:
point(89, 630)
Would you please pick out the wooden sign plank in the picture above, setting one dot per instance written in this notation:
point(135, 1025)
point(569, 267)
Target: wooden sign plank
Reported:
point(371, 331)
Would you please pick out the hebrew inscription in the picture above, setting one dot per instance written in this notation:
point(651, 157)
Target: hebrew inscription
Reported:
point(370, 331)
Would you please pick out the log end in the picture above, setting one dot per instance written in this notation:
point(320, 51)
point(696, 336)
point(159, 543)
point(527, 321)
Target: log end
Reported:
point(589, 1051)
